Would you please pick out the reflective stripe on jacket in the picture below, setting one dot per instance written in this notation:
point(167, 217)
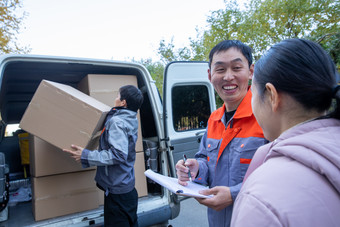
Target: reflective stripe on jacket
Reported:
point(225, 153)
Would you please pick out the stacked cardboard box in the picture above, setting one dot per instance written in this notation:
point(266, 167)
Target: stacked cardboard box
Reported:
point(140, 178)
point(46, 159)
point(63, 194)
point(105, 87)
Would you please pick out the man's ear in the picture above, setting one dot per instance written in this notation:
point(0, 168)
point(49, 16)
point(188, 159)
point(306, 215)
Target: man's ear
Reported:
point(123, 102)
point(209, 74)
point(251, 71)
point(273, 96)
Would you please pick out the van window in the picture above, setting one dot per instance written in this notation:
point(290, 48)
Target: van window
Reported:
point(10, 129)
point(190, 107)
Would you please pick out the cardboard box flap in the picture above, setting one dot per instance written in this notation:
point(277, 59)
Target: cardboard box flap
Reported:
point(99, 82)
point(72, 93)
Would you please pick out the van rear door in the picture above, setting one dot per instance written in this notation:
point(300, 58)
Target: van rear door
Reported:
point(188, 100)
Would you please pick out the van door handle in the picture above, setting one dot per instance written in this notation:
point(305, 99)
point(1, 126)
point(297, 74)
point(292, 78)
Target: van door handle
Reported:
point(199, 133)
point(199, 136)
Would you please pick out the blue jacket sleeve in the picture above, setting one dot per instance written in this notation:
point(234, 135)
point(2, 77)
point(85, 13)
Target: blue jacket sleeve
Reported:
point(234, 190)
point(201, 156)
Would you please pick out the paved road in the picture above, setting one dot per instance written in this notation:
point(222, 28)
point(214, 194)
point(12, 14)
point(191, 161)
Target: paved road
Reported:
point(192, 214)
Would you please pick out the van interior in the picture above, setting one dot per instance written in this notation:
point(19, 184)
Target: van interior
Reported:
point(19, 83)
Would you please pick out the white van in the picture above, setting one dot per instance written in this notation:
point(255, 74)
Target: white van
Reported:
point(170, 127)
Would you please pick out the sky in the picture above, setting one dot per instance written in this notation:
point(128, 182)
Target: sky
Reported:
point(111, 29)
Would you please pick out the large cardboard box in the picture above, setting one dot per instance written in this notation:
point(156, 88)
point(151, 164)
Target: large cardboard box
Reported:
point(63, 115)
point(105, 88)
point(64, 194)
point(46, 159)
point(140, 179)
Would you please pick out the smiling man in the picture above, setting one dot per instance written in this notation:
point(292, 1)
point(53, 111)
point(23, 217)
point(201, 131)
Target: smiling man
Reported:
point(232, 135)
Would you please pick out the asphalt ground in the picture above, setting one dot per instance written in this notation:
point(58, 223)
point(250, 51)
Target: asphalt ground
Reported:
point(192, 214)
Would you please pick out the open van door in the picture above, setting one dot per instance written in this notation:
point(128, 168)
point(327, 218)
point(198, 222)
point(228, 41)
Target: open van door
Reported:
point(188, 101)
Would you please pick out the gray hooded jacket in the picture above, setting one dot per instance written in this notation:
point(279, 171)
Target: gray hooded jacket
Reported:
point(116, 155)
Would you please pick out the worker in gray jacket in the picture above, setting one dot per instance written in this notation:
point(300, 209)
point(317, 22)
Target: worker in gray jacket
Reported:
point(115, 159)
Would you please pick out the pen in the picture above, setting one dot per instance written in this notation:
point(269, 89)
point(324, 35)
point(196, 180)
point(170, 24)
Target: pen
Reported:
point(185, 159)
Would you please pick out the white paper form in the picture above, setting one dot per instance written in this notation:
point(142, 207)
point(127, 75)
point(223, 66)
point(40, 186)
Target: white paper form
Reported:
point(191, 190)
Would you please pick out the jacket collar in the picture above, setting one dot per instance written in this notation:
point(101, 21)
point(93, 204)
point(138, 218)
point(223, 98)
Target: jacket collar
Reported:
point(243, 110)
point(118, 107)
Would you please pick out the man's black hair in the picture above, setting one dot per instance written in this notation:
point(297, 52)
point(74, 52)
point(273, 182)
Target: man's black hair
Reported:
point(133, 97)
point(227, 44)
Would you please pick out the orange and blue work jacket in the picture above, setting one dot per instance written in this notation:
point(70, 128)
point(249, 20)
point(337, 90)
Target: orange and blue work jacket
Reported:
point(225, 153)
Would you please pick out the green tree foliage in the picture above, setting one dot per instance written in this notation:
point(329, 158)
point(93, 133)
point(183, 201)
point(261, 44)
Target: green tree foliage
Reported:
point(168, 53)
point(262, 23)
point(156, 70)
point(223, 24)
point(265, 22)
point(270, 21)
point(9, 27)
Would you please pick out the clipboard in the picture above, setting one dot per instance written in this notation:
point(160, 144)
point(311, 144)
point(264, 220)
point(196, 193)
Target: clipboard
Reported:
point(171, 183)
